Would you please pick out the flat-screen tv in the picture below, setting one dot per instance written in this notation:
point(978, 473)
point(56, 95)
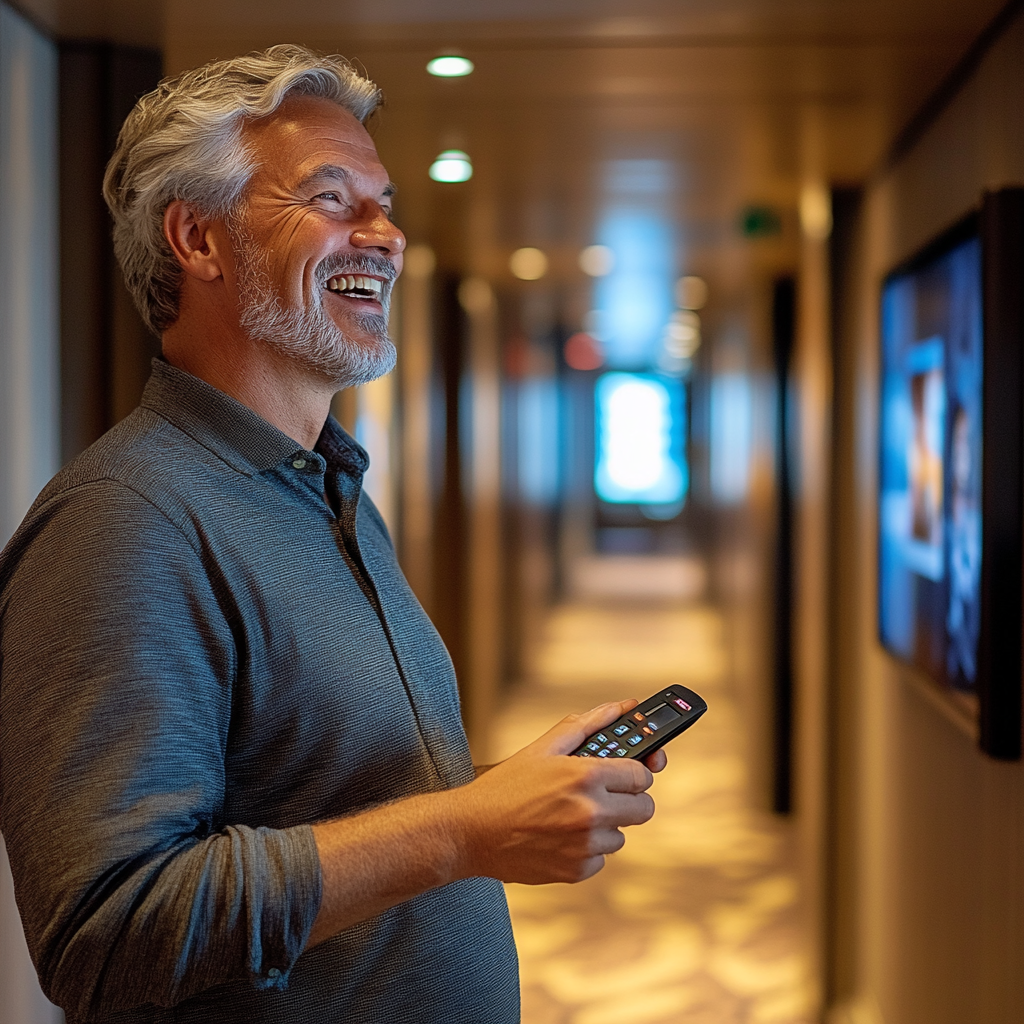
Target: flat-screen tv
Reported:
point(950, 480)
point(930, 529)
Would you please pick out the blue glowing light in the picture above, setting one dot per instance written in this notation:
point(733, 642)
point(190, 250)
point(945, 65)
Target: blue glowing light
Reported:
point(635, 299)
point(640, 453)
point(732, 416)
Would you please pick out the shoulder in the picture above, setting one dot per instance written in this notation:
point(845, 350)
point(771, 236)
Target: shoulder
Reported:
point(123, 493)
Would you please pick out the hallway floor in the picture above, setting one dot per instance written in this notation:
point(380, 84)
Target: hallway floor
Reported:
point(696, 920)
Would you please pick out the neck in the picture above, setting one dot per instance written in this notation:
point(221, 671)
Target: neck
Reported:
point(286, 394)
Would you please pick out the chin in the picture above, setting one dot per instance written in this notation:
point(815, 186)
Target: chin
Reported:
point(341, 356)
point(358, 363)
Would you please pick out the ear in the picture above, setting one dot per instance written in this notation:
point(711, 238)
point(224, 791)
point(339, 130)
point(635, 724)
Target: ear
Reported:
point(196, 242)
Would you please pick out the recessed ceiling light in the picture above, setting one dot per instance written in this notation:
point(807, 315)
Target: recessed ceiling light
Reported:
point(528, 264)
point(450, 66)
point(452, 165)
point(597, 260)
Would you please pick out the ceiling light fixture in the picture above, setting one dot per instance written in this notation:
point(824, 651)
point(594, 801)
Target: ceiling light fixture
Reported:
point(597, 260)
point(450, 66)
point(528, 264)
point(452, 165)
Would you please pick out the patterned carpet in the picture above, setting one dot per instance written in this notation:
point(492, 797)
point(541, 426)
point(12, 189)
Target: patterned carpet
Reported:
point(696, 920)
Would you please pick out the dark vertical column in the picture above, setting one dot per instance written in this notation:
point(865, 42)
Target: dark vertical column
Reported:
point(999, 648)
point(105, 347)
point(86, 254)
point(783, 337)
point(450, 584)
point(131, 73)
point(842, 870)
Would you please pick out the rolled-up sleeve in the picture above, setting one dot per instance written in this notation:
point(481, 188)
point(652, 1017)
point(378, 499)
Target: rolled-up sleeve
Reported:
point(116, 694)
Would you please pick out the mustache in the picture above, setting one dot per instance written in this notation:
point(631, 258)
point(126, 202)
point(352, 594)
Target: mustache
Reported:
point(355, 263)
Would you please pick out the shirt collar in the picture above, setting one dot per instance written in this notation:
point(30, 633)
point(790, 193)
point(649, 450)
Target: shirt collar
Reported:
point(234, 432)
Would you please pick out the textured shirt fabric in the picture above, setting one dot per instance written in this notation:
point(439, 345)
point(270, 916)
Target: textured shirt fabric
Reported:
point(206, 645)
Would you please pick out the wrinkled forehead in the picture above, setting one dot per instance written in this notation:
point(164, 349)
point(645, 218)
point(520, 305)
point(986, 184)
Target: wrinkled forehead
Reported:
point(306, 133)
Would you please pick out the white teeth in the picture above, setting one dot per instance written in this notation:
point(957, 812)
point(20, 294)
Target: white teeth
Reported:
point(356, 282)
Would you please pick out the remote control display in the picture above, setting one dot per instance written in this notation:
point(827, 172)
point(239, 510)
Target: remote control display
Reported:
point(649, 726)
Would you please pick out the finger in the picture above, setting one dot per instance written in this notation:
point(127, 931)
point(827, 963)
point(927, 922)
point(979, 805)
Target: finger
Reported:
point(569, 733)
point(618, 810)
point(608, 840)
point(590, 867)
point(657, 761)
point(624, 776)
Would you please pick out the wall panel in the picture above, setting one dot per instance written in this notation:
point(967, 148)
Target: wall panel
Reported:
point(29, 375)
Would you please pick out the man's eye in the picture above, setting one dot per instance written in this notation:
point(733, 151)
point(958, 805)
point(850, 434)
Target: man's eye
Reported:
point(332, 196)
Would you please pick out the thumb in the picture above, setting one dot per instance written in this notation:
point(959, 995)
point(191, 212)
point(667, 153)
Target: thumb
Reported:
point(572, 730)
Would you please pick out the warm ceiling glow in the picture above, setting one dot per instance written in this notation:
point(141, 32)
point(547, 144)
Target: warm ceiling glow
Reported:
point(691, 292)
point(528, 264)
point(815, 211)
point(450, 66)
point(597, 260)
point(452, 165)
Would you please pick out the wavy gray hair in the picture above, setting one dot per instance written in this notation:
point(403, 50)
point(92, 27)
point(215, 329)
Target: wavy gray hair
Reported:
point(184, 141)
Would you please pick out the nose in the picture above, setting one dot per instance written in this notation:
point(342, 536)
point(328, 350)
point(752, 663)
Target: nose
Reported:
point(379, 232)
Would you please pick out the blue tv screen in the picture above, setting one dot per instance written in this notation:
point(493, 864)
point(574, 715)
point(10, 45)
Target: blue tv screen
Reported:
point(930, 523)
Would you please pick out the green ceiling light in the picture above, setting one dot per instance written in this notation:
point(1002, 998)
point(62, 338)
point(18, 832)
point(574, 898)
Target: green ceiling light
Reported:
point(452, 165)
point(450, 66)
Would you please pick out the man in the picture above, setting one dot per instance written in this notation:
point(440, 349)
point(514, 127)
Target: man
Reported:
point(235, 786)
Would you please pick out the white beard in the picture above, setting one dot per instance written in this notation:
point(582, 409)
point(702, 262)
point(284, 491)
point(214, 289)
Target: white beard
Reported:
point(308, 335)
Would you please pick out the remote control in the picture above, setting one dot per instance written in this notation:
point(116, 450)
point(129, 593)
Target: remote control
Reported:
point(648, 727)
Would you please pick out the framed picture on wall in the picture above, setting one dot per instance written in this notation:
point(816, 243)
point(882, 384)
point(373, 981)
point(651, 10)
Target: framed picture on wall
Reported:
point(950, 502)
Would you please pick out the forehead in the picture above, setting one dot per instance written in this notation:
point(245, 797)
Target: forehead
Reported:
point(307, 132)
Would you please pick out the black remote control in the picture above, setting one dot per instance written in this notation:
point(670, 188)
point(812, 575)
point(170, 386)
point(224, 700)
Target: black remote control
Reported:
point(648, 727)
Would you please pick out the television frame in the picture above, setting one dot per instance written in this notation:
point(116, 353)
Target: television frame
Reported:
point(999, 225)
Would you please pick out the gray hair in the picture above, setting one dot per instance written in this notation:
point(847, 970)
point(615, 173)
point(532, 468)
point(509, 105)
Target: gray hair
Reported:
point(184, 141)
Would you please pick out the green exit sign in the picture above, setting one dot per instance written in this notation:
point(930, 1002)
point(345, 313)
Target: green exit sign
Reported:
point(760, 222)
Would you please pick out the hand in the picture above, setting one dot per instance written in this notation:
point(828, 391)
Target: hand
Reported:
point(542, 817)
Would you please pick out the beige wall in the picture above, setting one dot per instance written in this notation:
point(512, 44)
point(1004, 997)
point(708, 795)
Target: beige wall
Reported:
point(930, 832)
point(29, 378)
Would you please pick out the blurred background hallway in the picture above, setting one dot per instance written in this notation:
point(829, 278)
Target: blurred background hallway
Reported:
point(639, 432)
point(697, 918)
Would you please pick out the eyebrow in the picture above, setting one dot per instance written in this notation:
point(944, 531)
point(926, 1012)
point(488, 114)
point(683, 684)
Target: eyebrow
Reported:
point(334, 172)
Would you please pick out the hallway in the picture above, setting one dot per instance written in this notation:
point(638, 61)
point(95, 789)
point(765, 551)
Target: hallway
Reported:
point(697, 918)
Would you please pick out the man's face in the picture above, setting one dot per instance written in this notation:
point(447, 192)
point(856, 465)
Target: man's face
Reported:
point(316, 252)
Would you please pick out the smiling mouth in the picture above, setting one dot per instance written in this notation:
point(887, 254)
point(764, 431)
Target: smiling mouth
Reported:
point(356, 286)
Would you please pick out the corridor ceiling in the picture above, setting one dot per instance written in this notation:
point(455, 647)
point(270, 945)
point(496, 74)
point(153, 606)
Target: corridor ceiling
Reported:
point(739, 102)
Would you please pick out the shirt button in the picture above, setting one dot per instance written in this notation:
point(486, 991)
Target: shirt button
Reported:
point(273, 973)
point(299, 463)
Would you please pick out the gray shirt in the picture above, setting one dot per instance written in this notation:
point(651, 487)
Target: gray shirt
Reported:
point(206, 644)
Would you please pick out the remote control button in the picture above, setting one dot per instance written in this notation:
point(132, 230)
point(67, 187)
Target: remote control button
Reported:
point(619, 730)
point(601, 738)
point(649, 732)
point(582, 753)
point(593, 746)
point(637, 717)
point(603, 753)
point(634, 740)
point(621, 752)
point(662, 716)
point(612, 745)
